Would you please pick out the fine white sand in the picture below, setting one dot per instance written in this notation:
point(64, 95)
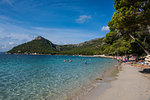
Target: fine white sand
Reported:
point(130, 85)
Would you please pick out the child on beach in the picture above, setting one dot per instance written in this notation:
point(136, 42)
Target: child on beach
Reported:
point(117, 59)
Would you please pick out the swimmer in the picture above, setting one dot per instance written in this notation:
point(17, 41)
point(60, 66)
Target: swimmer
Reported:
point(85, 61)
point(69, 60)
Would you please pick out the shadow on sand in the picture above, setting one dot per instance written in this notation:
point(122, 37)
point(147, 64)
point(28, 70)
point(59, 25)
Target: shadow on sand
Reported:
point(146, 71)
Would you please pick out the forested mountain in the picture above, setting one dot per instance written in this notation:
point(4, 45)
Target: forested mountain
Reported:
point(41, 45)
point(87, 48)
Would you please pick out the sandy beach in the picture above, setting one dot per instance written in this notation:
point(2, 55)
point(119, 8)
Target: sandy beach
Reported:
point(130, 84)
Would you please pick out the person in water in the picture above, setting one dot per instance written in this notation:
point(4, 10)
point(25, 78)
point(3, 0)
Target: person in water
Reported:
point(69, 60)
point(85, 61)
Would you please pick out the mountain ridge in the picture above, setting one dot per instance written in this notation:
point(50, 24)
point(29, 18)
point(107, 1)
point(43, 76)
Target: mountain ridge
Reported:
point(40, 45)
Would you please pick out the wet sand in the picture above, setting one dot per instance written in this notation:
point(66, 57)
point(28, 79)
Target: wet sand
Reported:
point(129, 85)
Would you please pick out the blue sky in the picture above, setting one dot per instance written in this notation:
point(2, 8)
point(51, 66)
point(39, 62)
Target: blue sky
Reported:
point(60, 21)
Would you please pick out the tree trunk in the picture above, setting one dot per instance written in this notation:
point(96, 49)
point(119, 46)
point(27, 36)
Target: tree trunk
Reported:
point(148, 27)
point(147, 52)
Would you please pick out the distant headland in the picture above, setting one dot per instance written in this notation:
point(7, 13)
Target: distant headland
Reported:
point(40, 45)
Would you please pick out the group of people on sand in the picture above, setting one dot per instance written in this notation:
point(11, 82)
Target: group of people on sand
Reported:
point(131, 60)
point(122, 59)
point(125, 59)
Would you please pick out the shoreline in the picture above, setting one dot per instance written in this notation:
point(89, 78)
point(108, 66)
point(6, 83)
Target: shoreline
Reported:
point(103, 56)
point(102, 82)
point(129, 84)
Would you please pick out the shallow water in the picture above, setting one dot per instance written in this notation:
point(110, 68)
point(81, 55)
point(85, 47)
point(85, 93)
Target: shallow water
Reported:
point(47, 77)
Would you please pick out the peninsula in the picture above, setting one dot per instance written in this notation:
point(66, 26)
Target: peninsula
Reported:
point(40, 45)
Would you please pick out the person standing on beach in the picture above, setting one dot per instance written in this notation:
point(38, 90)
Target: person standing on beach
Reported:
point(120, 59)
point(117, 59)
point(124, 59)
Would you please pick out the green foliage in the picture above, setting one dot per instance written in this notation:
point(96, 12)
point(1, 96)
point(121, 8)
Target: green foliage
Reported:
point(118, 47)
point(111, 37)
point(131, 19)
point(130, 14)
point(86, 48)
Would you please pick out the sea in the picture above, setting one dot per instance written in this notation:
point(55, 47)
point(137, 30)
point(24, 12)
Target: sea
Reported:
point(47, 77)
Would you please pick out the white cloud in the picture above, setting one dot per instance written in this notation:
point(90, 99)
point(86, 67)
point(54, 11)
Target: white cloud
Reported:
point(105, 28)
point(11, 35)
point(83, 19)
point(11, 43)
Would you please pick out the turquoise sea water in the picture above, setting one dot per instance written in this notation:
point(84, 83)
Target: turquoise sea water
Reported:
point(47, 77)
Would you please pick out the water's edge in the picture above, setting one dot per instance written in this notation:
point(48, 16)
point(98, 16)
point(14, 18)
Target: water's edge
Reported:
point(99, 84)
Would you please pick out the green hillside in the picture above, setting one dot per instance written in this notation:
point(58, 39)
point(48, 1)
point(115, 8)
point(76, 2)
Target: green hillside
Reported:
point(41, 45)
point(87, 48)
